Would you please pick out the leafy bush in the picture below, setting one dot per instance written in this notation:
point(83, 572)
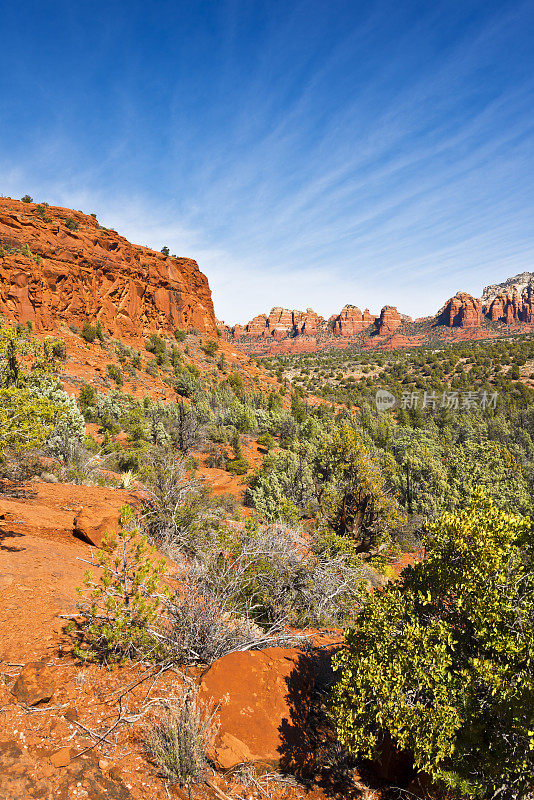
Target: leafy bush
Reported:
point(154, 344)
point(180, 335)
point(210, 348)
point(352, 492)
point(165, 250)
point(119, 614)
point(442, 662)
point(115, 374)
point(266, 441)
point(179, 741)
point(237, 466)
point(91, 332)
point(32, 404)
point(71, 224)
point(27, 199)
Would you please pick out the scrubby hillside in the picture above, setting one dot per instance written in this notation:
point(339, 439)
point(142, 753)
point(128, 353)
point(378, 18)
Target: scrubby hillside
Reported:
point(236, 516)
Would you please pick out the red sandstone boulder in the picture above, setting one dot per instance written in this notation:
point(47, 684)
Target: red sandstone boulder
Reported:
point(92, 525)
point(254, 691)
point(35, 684)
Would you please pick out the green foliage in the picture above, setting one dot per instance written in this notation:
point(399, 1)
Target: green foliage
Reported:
point(237, 466)
point(353, 495)
point(120, 609)
point(165, 250)
point(27, 199)
point(210, 348)
point(180, 335)
point(115, 374)
point(71, 224)
point(91, 332)
point(32, 404)
point(87, 397)
point(443, 662)
point(155, 345)
point(266, 441)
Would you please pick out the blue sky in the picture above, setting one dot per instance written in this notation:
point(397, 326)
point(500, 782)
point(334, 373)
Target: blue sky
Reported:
point(305, 154)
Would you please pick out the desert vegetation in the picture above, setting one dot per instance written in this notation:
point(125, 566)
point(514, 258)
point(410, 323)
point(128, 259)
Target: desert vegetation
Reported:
point(329, 494)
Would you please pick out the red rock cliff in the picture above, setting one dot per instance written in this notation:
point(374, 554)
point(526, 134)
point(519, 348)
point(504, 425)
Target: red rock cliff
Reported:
point(51, 273)
point(389, 321)
point(512, 307)
point(462, 311)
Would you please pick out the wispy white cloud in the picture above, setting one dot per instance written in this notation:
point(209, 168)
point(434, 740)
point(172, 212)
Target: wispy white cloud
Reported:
point(359, 165)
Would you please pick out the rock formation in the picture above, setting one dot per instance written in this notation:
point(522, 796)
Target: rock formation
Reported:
point(58, 265)
point(511, 302)
point(521, 283)
point(462, 311)
point(351, 321)
point(389, 321)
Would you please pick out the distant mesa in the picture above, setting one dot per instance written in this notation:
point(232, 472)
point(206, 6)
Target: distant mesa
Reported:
point(510, 303)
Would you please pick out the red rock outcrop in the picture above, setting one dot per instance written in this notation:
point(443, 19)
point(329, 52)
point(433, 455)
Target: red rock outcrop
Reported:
point(261, 696)
point(307, 323)
point(389, 321)
point(462, 311)
point(512, 307)
point(59, 265)
point(351, 321)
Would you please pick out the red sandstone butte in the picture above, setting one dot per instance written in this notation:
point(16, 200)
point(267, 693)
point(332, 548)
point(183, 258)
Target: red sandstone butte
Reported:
point(462, 311)
point(50, 273)
point(389, 321)
point(351, 321)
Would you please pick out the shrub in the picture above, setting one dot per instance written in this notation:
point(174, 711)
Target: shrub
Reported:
point(71, 224)
point(237, 466)
point(179, 741)
point(210, 348)
point(441, 663)
point(152, 368)
point(27, 199)
point(25, 250)
point(269, 574)
point(266, 441)
point(32, 404)
point(154, 344)
point(120, 612)
point(88, 332)
point(179, 513)
point(87, 397)
point(180, 335)
point(58, 348)
point(352, 491)
point(186, 385)
point(115, 374)
point(165, 250)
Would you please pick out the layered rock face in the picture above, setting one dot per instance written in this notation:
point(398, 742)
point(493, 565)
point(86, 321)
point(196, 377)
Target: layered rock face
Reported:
point(279, 324)
point(351, 321)
point(59, 265)
point(511, 302)
point(462, 311)
point(389, 321)
point(521, 283)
